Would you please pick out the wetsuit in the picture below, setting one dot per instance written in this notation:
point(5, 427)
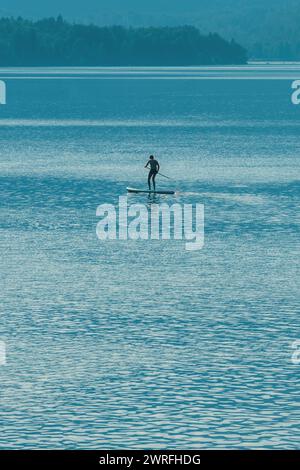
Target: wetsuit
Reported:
point(154, 169)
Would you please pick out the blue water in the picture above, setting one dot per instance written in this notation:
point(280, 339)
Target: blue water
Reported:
point(142, 344)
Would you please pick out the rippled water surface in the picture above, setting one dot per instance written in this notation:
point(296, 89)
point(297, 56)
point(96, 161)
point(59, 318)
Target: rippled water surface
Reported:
point(142, 344)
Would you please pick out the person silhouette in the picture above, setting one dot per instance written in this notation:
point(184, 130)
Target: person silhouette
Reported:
point(154, 169)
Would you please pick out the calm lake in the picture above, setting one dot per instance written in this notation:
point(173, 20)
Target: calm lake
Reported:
point(142, 344)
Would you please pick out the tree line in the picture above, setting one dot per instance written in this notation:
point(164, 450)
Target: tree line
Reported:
point(56, 42)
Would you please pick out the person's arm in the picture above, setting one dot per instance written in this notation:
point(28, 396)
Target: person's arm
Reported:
point(146, 166)
point(157, 167)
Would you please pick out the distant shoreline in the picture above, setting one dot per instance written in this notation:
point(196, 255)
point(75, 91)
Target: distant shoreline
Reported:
point(273, 62)
point(56, 42)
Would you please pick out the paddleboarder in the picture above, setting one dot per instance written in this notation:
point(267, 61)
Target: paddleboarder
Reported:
point(154, 169)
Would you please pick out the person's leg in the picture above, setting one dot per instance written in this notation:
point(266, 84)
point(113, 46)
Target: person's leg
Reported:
point(149, 179)
point(153, 180)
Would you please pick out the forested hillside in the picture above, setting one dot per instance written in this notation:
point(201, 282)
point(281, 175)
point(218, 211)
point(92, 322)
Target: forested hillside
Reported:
point(269, 29)
point(57, 42)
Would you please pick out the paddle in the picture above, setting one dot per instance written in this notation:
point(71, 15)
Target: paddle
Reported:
point(169, 178)
point(165, 176)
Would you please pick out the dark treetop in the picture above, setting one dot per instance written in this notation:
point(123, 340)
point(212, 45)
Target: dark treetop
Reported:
point(54, 42)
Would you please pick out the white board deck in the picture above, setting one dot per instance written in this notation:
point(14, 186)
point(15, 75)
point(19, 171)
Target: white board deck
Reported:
point(147, 191)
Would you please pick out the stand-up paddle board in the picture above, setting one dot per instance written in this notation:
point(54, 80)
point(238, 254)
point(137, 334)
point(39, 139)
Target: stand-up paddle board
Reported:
point(134, 190)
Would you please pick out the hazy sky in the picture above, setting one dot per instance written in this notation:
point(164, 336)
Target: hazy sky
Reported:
point(75, 8)
point(82, 9)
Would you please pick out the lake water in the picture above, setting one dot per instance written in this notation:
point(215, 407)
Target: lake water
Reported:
point(142, 344)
